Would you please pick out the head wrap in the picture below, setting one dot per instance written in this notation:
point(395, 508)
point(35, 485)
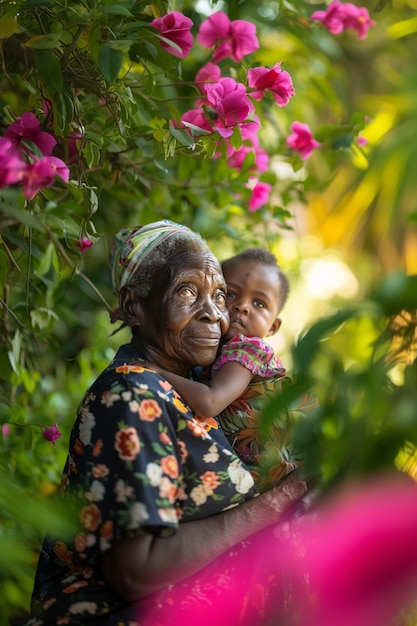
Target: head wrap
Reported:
point(132, 245)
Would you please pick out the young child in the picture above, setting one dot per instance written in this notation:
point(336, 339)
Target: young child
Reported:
point(247, 370)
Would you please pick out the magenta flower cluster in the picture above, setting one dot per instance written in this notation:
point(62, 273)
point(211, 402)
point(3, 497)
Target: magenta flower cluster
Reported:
point(226, 106)
point(25, 157)
point(339, 17)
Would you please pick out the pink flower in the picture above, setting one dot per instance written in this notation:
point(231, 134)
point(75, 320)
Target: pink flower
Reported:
point(5, 430)
point(261, 158)
point(302, 140)
point(209, 73)
point(11, 165)
point(197, 118)
point(339, 17)
point(28, 128)
point(230, 102)
point(361, 141)
point(275, 80)
point(83, 244)
point(51, 433)
point(175, 27)
point(231, 39)
point(362, 558)
point(260, 195)
point(42, 173)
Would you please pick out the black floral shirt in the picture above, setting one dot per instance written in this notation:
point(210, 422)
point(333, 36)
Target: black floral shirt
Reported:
point(139, 461)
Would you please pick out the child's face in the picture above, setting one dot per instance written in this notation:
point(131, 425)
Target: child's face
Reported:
point(252, 299)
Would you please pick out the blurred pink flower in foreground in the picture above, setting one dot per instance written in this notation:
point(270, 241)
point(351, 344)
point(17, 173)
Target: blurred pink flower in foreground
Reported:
point(234, 39)
point(176, 27)
point(51, 433)
point(339, 17)
point(302, 140)
point(362, 557)
point(5, 430)
point(352, 563)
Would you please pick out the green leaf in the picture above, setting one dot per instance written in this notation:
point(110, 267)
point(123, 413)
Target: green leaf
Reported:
point(49, 70)
point(182, 137)
point(47, 259)
point(63, 112)
point(117, 9)
point(8, 26)
point(45, 42)
point(110, 62)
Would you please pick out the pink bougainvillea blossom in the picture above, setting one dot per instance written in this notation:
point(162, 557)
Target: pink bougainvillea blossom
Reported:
point(175, 27)
point(209, 73)
point(5, 430)
point(230, 102)
point(196, 118)
point(260, 195)
point(28, 128)
point(339, 17)
point(361, 141)
point(11, 165)
point(83, 244)
point(233, 39)
point(41, 174)
point(237, 157)
point(275, 80)
point(302, 140)
point(51, 433)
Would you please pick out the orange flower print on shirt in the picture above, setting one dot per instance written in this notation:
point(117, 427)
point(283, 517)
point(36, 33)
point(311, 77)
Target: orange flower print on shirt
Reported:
point(78, 447)
point(62, 552)
point(90, 517)
point(149, 410)
point(97, 447)
point(210, 480)
point(127, 444)
point(106, 531)
point(197, 428)
point(126, 368)
point(169, 466)
point(179, 405)
point(207, 422)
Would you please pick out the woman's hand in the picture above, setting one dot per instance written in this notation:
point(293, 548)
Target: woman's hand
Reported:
point(136, 567)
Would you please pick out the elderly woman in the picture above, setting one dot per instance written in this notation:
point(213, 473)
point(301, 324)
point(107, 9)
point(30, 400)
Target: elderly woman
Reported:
point(159, 498)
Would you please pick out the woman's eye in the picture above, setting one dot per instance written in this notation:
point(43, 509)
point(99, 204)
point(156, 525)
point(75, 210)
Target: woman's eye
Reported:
point(220, 298)
point(186, 291)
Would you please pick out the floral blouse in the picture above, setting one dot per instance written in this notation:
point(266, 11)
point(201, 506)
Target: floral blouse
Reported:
point(269, 454)
point(139, 461)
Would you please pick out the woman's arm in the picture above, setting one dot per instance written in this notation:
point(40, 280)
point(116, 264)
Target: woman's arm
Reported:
point(134, 568)
point(209, 400)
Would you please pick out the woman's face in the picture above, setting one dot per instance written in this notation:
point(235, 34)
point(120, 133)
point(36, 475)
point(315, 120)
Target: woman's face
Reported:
point(183, 328)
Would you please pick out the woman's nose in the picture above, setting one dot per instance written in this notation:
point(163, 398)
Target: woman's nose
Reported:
point(209, 310)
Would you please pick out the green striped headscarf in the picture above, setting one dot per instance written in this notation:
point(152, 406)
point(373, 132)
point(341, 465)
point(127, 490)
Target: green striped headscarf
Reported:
point(132, 245)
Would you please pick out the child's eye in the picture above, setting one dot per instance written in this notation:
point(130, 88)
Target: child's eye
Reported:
point(259, 304)
point(231, 295)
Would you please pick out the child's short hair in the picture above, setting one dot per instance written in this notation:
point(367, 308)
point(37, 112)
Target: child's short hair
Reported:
point(263, 257)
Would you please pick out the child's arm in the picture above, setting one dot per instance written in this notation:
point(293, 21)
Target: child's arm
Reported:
point(209, 400)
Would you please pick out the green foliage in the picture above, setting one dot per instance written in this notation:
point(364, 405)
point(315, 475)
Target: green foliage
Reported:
point(111, 84)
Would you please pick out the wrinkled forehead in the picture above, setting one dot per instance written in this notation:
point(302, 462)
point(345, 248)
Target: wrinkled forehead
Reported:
point(202, 260)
